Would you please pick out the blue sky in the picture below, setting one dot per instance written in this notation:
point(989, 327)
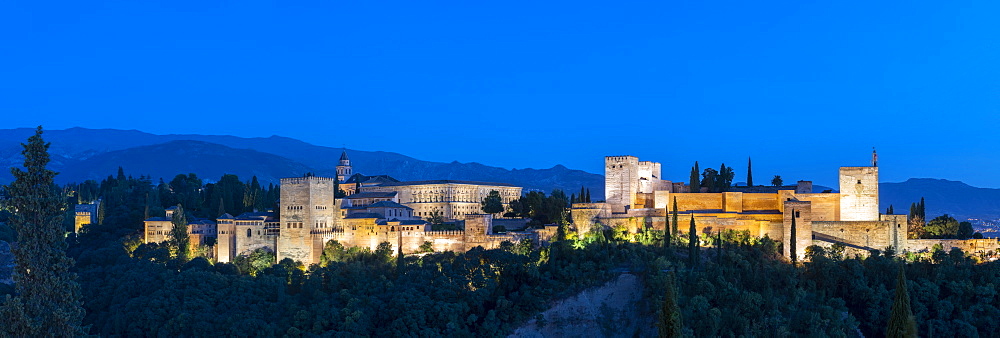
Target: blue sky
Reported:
point(802, 87)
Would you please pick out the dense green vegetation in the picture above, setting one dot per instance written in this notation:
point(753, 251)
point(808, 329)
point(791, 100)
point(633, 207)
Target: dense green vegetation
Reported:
point(943, 226)
point(747, 289)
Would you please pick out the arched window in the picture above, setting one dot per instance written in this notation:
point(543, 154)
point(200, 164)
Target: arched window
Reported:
point(249, 233)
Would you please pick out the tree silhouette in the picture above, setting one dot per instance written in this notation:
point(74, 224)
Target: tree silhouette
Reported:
point(48, 296)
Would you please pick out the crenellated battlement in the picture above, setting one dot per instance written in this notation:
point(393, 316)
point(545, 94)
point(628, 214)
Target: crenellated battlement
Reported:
point(305, 180)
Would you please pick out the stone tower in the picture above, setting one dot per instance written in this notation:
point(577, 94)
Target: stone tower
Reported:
point(859, 194)
point(621, 181)
point(307, 204)
point(226, 243)
point(802, 212)
point(344, 170)
point(477, 228)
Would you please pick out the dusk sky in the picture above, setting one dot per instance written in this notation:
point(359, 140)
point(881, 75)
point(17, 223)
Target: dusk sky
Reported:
point(802, 88)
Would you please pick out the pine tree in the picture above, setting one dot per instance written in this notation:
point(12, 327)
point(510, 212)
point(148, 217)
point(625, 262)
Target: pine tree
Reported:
point(670, 315)
point(695, 183)
point(693, 244)
point(749, 172)
point(792, 250)
point(675, 217)
point(901, 322)
point(179, 234)
point(48, 296)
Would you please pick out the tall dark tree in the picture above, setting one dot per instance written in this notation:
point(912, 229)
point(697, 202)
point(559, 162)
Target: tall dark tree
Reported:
point(777, 181)
point(337, 192)
point(492, 203)
point(666, 230)
point(693, 251)
point(695, 182)
point(725, 178)
point(675, 217)
point(48, 296)
point(179, 234)
point(670, 315)
point(749, 172)
point(922, 209)
point(889, 210)
point(709, 179)
point(588, 197)
point(901, 321)
point(792, 249)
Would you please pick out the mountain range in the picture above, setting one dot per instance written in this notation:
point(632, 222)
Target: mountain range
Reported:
point(80, 154)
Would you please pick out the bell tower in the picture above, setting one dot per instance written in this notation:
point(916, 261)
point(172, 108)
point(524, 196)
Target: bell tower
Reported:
point(344, 168)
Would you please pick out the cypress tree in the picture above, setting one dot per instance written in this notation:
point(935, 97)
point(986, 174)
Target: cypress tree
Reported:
point(666, 230)
point(588, 196)
point(901, 322)
point(145, 213)
point(749, 172)
point(48, 296)
point(222, 207)
point(718, 246)
point(399, 254)
point(791, 242)
point(693, 244)
point(572, 198)
point(695, 182)
point(921, 208)
point(670, 317)
point(179, 234)
point(675, 217)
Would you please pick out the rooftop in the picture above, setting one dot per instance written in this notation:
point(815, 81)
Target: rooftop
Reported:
point(373, 194)
point(387, 204)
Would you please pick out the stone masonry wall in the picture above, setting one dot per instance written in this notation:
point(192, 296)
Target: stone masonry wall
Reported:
point(859, 194)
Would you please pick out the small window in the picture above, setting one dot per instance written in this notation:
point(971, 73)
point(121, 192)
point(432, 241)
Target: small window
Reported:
point(249, 233)
point(798, 214)
point(859, 181)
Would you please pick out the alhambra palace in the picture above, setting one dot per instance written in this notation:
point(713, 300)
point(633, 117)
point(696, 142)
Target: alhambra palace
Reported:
point(382, 209)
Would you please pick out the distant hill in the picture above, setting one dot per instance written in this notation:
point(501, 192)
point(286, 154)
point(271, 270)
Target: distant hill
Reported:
point(81, 154)
point(942, 197)
point(166, 160)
